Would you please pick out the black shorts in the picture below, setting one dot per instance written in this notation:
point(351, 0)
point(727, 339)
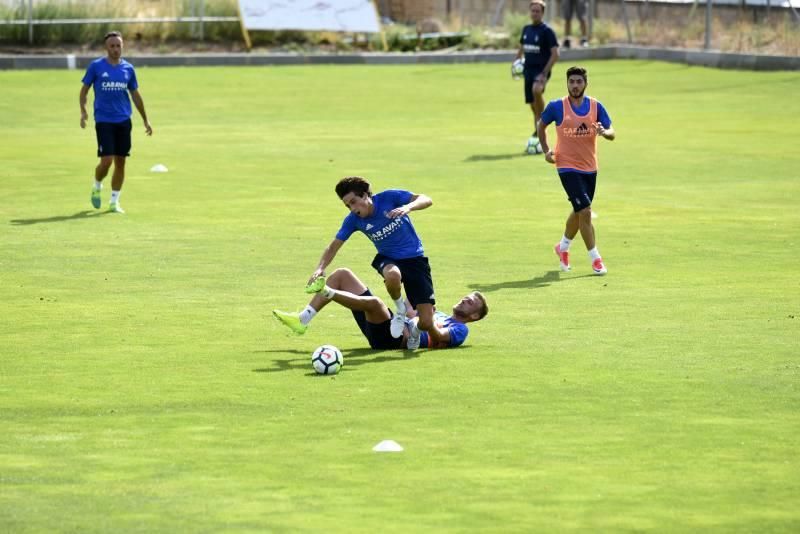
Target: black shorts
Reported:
point(416, 273)
point(113, 138)
point(379, 336)
point(579, 187)
point(530, 77)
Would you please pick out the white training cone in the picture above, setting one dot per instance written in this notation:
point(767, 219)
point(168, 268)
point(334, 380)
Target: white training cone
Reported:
point(158, 167)
point(387, 445)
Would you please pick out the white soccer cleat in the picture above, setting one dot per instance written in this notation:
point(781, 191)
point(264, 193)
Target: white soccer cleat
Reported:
point(396, 326)
point(412, 343)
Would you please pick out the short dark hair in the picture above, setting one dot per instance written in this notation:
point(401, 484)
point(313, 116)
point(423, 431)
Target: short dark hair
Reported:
point(577, 71)
point(353, 184)
point(484, 306)
point(109, 35)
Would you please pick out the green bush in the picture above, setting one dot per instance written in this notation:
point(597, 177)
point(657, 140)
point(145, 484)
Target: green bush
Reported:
point(513, 24)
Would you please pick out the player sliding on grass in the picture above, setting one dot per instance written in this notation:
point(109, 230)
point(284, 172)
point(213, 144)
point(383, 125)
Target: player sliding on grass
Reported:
point(579, 120)
point(374, 318)
point(383, 218)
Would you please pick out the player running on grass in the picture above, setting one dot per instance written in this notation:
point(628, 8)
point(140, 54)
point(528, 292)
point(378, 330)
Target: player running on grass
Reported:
point(384, 219)
point(374, 318)
point(579, 120)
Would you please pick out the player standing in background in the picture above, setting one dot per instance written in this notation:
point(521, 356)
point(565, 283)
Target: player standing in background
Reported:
point(374, 318)
point(401, 260)
point(579, 120)
point(539, 45)
point(112, 78)
point(578, 8)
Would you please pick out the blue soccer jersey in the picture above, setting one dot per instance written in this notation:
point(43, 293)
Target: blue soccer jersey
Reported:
point(458, 331)
point(394, 238)
point(111, 84)
point(554, 112)
point(538, 41)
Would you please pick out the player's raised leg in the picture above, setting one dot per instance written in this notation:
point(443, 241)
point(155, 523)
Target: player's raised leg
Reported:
point(342, 287)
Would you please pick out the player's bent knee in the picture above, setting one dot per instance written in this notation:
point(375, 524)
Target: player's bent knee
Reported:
point(341, 272)
point(392, 276)
point(341, 278)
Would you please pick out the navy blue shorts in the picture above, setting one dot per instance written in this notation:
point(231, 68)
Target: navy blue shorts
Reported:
point(416, 273)
point(579, 187)
point(379, 336)
point(113, 138)
point(530, 77)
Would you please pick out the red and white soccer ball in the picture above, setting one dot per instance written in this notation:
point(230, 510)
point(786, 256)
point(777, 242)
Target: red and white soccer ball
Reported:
point(327, 360)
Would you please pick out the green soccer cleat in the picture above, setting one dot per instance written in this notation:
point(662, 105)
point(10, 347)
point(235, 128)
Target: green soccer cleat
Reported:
point(96, 199)
point(115, 207)
point(316, 286)
point(291, 320)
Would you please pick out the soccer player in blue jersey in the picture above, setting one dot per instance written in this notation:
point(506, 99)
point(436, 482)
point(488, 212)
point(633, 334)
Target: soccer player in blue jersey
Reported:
point(401, 260)
point(112, 79)
point(374, 318)
point(539, 45)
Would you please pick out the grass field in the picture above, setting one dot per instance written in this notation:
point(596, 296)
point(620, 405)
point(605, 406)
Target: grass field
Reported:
point(145, 387)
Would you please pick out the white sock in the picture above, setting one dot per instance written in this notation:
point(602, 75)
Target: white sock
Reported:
point(564, 245)
point(327, 292)
point(401, 305)
point(98, 185)
point(114, 196)
point(307, 314)
point(594, 254)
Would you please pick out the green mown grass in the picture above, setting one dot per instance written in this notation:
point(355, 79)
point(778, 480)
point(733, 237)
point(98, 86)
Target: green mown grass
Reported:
point(145, 387)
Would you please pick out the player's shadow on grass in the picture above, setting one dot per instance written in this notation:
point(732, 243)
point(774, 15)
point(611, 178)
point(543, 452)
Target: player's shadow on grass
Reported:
point(86, 214)
point(540, 281)
point(352, 358)
point(494, 157)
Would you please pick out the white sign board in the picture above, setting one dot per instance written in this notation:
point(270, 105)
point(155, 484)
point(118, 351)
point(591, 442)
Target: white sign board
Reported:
point(311, 15)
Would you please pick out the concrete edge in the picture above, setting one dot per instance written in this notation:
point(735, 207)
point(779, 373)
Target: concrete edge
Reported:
point(721, 60)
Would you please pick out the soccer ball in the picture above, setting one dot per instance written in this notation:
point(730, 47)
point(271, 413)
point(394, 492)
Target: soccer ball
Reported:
point(533, 146)
point(327, 360)
point(517, 68)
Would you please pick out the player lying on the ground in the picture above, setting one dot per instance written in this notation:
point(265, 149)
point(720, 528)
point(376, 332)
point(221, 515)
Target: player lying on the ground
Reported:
point(374, 317)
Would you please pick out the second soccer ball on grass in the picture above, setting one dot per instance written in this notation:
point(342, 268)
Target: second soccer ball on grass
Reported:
point(533, 146)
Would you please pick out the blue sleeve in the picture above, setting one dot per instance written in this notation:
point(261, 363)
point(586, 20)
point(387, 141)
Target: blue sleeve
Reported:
point(458, 333)
point(88, 78)
point(552, 40)
point(602, 116)
point(347, 229)
point(133, 83)
point(397, 197)
point(553, 112)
